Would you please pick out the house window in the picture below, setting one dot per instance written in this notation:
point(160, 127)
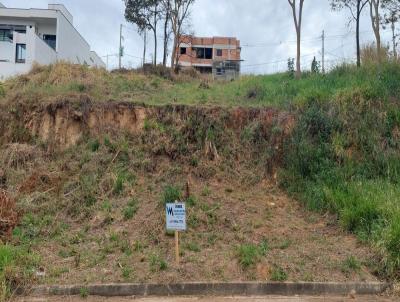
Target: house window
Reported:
point(6, 35)
point(219, 52)
point(50, 40)
point(20, 56)
point(183, 50)
point(203, 53)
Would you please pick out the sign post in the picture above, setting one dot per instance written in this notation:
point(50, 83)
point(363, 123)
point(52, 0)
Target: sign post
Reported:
point(176, 221)
point(177, 247)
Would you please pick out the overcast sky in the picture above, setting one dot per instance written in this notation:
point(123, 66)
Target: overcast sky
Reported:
point(265, 28)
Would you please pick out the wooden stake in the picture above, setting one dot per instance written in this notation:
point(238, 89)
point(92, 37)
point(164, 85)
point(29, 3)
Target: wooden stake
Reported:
point(177, 245)
point(177, 248)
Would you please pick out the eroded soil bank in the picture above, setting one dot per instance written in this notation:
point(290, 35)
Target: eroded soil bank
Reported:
point(90, 181)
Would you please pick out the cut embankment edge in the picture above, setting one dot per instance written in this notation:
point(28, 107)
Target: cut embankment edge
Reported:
point(212, 289)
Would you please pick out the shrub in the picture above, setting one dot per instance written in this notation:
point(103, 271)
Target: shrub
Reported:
point(157, 263)
point(131, 209)
point(278, 274)
point(127, 272)
point(351, 264)
point(342, 157)
point(84, 292)
point(16, 268)
point(2, 91)
point(94, 145)
point(193, 247)
point(248, 254)
point(171, 194)
point(191, 201)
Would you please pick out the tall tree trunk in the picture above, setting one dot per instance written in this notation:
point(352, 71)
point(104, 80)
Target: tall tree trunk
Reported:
point(394, 38)
point(297, 24)
point(375, 19)
point(298, 62)
point(144, 46)
point(358, 33)
point(166, 36)
point(155, 35)
point(155, 46)
point(173, 56)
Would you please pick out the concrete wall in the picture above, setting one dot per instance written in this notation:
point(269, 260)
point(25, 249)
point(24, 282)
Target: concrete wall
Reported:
point(57, 20)
point(72, 47)
point(43, 53)
point(63, 10)
point(7, 52)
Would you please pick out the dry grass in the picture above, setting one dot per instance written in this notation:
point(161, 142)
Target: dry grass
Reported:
point(18, 155)
point(8, 215)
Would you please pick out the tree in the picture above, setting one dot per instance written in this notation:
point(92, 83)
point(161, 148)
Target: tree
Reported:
point(374, 11)
point(355, 7)
point(290, 66)
point(167, 30)
point(315, 66)
point(392, 16)
point(297, 18)
point(145, 14)
point(180, 12)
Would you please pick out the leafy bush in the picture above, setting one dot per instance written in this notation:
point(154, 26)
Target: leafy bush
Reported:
point(131, 209)
point(16, 267)
point(278, 274)
point(248, 254)
point(343, 157)
point(171, 194)
point(94, 145)
point(157, 263)
point(2, 91)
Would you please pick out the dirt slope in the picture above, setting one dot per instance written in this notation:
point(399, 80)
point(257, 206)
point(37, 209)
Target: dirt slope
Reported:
point(90, 181)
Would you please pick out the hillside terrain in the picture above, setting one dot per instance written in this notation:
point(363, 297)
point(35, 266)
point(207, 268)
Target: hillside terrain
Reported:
point(284, 179)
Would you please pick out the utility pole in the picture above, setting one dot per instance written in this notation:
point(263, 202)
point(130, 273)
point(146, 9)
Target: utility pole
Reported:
point(120, 47)
point(107, 61)
point(323, 51)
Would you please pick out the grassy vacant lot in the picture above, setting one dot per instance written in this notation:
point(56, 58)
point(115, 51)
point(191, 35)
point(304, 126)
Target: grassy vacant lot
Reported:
point(281, 90)
point(342, 159)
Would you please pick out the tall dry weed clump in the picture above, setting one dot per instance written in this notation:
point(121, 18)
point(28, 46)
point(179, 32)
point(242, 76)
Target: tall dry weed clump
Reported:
point(18, 155)
point(8, 215)
point(370, 54)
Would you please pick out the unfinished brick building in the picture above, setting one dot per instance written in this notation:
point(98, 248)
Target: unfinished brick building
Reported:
point(219, 56)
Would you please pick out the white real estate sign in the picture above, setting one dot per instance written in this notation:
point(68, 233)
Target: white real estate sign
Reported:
point(176, 216)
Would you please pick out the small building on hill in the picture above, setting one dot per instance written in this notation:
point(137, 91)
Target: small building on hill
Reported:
point(43, 36)
point(219, 56)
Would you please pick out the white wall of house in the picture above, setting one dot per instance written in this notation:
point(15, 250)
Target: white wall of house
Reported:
point(43, 53)
point(70, 45)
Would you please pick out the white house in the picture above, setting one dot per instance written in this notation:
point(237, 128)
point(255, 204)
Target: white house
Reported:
point(43, 36)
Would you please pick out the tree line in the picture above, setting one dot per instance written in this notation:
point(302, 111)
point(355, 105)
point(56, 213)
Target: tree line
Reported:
point(174, 14)
point(147, 14)
point(381, 14)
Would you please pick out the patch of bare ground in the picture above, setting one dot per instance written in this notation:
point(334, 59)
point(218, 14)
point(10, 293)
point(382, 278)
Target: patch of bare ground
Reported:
point(299, 245)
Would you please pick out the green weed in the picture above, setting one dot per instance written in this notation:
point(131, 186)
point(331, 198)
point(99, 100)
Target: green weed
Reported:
point(157, 263)
point(171, 194)
point(249, 254)
point(278, 274)
point(84, 292)
point(351, 264)
point(130, 210)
